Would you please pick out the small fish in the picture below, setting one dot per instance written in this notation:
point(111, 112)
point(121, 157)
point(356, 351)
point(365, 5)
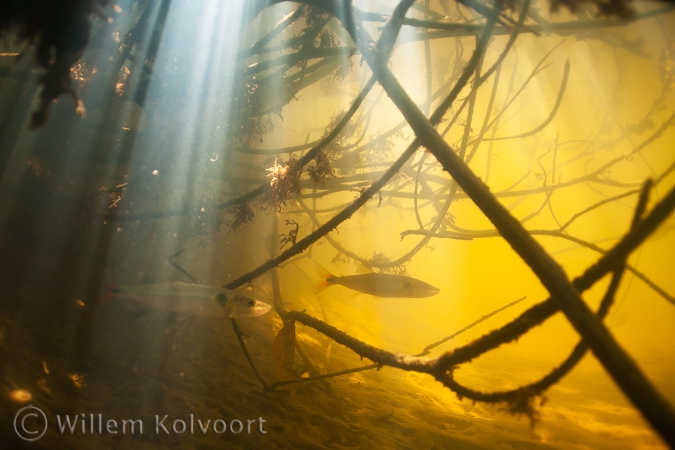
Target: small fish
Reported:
point(196, 299)
point(378, 284)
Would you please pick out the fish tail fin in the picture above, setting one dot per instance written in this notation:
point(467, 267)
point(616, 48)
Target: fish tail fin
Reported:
point(325, 276)
point(322, 272)
point(321, 285)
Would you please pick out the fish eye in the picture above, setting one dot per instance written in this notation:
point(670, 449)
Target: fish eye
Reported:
point(251, 302)
point(221, 298)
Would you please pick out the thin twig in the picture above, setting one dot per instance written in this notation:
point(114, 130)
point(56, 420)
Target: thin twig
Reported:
point(430, 347)
point(276, 30)
point(273, 386)
point(178, 267)
point(556, 105)
point(242, 344)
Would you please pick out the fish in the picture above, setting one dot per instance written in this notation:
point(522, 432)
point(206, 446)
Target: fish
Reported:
point(378, 284)
point(194, 299)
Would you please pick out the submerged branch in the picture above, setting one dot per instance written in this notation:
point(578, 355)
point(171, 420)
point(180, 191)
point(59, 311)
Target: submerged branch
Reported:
point(536, 388)
point(264, 187)
point(440, 367)
point(276, 30)
point(449, 29)
point(374, 188)
point(621, 367)
point(336, 220)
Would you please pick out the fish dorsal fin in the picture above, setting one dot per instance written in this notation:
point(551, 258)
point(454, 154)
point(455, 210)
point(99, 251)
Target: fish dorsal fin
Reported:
point(361, 269)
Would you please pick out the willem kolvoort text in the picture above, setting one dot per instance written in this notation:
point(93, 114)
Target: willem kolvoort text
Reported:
point(161, 424)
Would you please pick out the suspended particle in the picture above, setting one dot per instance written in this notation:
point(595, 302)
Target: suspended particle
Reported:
point(20, 396)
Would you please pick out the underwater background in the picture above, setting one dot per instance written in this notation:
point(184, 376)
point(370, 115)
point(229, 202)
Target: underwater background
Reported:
point(218, 141)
